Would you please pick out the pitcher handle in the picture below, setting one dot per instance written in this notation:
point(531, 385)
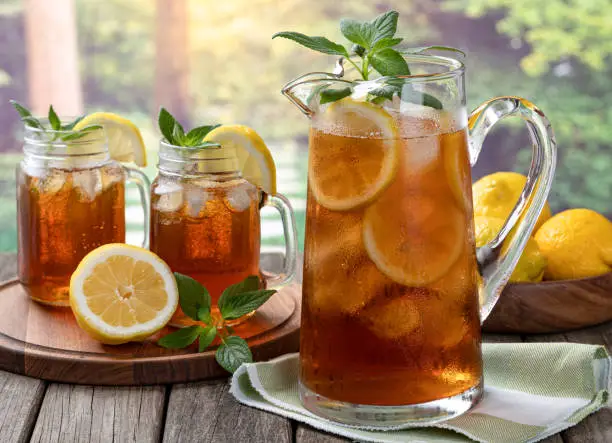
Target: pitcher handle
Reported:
point(282, 205)
point(142, 183)
point(495, 262)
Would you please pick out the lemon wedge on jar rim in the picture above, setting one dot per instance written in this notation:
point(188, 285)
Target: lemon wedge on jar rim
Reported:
point(254, 159)
point(122, 293)
point(125, 143)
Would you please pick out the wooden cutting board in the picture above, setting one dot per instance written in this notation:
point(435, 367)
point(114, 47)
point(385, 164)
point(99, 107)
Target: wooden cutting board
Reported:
point(45, 342)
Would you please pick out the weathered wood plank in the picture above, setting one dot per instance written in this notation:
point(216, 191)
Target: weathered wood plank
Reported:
point(20, 397)
point(100, 414)
point(207, 412)
point(306, 434)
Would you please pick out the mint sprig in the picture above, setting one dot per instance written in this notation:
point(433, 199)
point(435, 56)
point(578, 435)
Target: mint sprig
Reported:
point(372, 49)
point(236, 301)
point(175, 134)
point(55, 123)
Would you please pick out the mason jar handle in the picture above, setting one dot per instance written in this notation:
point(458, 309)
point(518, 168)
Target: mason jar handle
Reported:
point(142, 183)
point(282, 205)
point(495, 262)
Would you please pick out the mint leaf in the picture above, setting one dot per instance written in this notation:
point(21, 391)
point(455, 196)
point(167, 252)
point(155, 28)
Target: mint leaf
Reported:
point(385, 25)
point(421, 98)
point(181, 338)
point(166, 125)
point(54, 120)
point(70, 126)
point(389, 62)
point(320, 44)
point(26, 115)
point(82, 133)
point(32, 122)
point(386, 91)
point(241, 304)
point(193, 297)
point(332, 95)
point(249, 284)
point(386, 42)
point(207, 335)
point(196, 135)
point(22, 110)
point(233, 352)
point(204, 314)
point(357, 32)
point(178, 134)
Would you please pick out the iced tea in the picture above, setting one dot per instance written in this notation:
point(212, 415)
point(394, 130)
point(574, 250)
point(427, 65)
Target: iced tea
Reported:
point(64, 213)
point(207, 229)
point(390, 310)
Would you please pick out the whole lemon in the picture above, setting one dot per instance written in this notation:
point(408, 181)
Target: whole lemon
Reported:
point(531, 265)
point(496, 194)
point(577, 244)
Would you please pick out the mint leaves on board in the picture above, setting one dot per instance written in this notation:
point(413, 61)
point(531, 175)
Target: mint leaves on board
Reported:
point(236, 301)
point(372, 49)
point(55, 123)
point(175, 134)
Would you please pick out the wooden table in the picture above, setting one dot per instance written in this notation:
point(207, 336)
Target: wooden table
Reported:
point(36, 410)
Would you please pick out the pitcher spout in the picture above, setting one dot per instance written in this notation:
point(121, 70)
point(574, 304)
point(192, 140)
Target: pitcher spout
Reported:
point(305, 90)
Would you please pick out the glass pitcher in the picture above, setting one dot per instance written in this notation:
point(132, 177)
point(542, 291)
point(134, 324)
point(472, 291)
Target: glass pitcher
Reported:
point(205, 221)
point(70, 200)
point(391, 314)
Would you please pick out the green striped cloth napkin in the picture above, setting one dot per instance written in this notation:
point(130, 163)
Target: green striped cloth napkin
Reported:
point(532, 390)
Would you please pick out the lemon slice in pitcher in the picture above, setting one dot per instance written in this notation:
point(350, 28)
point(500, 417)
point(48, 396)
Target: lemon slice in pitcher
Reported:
point(354, 154)
point(122, 293)
point(254, 158)
point(125, 142)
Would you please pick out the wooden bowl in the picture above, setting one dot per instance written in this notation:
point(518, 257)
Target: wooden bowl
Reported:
point(552, 306)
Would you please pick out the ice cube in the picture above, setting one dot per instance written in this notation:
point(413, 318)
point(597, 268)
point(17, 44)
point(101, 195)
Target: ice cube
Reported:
point(196, 199)
point(87, 183)
point(392, 317)
point(240, 197)
point(170, 197)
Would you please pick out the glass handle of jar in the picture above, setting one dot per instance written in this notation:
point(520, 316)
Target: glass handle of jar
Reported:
point(282, 205)
point(144, 189)
point(497, 259)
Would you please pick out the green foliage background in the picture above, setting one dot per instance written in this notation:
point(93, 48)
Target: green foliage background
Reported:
point(557, 55)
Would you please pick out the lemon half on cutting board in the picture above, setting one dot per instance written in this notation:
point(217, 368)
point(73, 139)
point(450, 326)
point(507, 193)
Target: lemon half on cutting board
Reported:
point(122, 293)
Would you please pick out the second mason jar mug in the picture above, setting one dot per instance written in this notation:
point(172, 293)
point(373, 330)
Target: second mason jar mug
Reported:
point(205, 220)
point(70, 200)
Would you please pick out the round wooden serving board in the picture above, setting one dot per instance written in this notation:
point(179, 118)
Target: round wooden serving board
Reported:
point(46, 343)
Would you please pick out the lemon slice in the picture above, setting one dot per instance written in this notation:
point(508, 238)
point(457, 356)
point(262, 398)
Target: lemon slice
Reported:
point(457, 168)
point(125, 142)
point(122, 293)
point(254, 158)
point(354, 154)
point(412, 238)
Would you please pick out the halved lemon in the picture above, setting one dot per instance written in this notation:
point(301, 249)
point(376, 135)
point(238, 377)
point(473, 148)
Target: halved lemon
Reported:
point(125, 142)
point(411, 237)
point(122, 293)
point(254, 158)
point(354, 154)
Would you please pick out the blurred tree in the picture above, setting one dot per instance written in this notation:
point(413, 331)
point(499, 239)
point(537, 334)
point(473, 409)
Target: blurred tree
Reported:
point(566, 45)
point(117, 47)
point(558, 30)
point(172, 59)
point(53, 68)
